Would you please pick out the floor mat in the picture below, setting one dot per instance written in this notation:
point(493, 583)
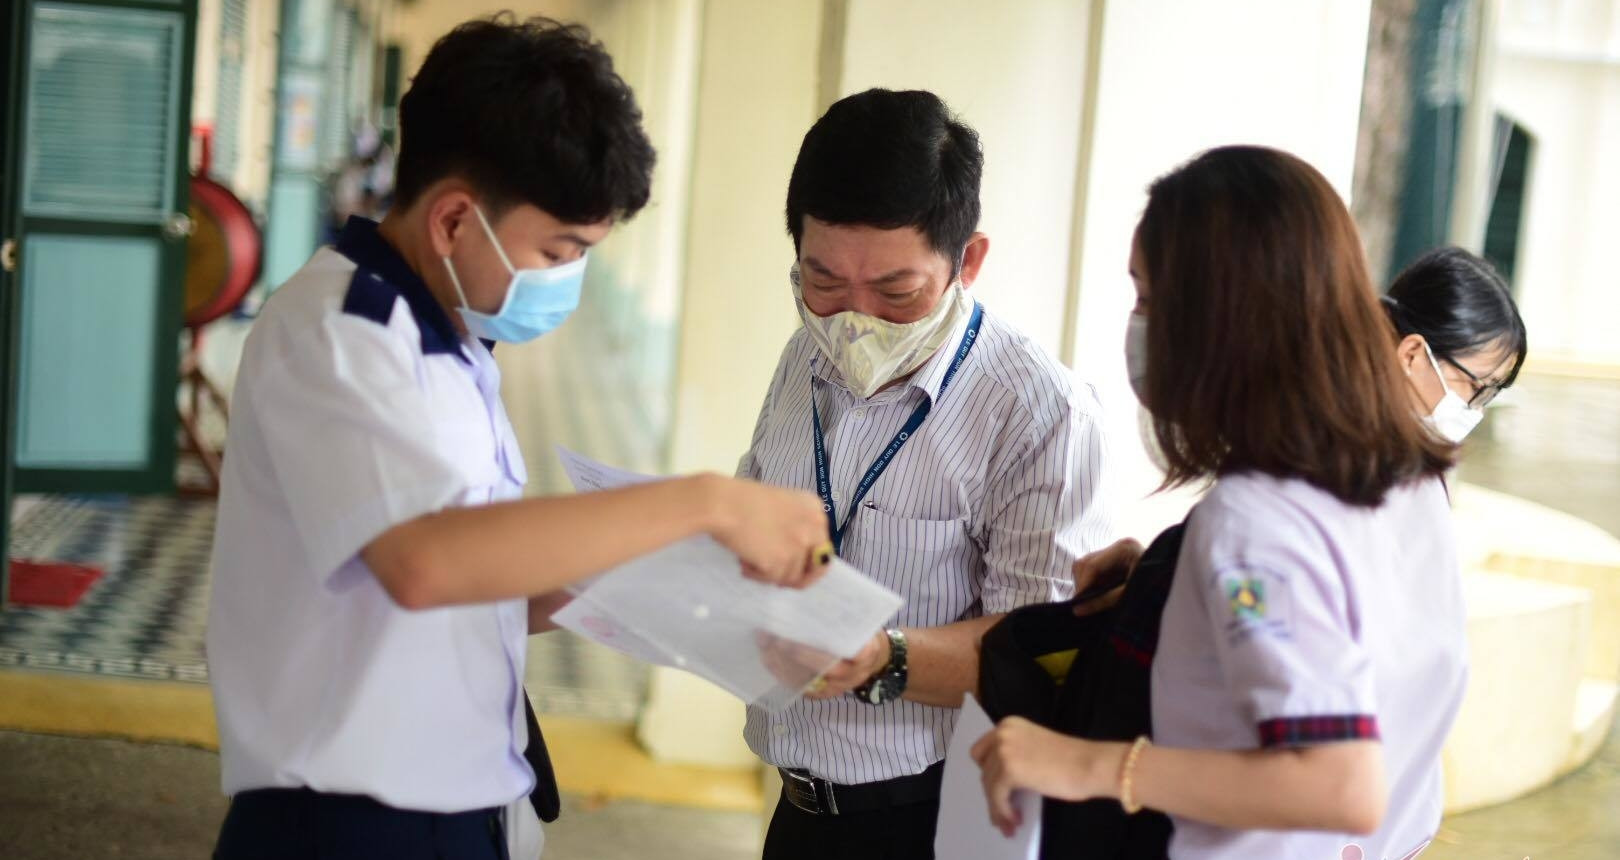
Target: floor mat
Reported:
point(49, 584)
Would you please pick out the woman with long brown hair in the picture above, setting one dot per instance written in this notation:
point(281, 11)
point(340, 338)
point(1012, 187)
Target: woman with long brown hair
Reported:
point(1311, 654)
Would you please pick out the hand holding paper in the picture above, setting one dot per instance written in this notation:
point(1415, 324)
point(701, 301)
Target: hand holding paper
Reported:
point(689, 606)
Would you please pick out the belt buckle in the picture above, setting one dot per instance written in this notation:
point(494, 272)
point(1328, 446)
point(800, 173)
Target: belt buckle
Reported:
point(810, 794)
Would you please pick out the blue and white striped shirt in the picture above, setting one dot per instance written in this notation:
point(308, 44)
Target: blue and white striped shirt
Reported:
point(984, 510)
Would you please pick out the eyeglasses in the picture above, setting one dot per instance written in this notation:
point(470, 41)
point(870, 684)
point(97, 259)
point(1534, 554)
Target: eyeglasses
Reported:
point(1484, 392)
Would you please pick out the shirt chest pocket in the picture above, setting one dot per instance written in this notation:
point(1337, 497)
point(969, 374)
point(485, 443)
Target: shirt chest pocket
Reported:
point(909, 533)
point(933, 564)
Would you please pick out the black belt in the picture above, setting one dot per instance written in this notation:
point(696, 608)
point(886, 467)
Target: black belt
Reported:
point(817, 796)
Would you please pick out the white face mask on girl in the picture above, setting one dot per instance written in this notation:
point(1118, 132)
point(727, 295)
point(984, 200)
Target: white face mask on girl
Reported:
point(1452, 417)
point(1136, 354)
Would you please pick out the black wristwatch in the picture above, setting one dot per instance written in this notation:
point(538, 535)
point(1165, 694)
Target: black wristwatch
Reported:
point(889, 683)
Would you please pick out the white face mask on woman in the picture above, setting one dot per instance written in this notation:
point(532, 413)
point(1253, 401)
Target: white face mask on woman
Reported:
point(1452, 417)
point(1136, 354)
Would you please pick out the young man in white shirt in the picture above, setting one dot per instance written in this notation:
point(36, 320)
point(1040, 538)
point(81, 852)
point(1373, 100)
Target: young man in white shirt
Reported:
point(375, 573)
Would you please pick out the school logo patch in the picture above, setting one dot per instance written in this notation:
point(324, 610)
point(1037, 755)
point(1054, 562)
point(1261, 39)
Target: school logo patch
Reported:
point(1247, 597)
point(1257, 602)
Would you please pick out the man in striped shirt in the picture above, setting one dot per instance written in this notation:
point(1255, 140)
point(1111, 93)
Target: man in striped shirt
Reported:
point(958, 462)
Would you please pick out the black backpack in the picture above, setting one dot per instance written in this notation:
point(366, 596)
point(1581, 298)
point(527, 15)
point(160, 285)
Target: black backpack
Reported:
point(1088, 677)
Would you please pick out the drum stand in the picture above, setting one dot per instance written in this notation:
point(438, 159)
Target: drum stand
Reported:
point(197, 389)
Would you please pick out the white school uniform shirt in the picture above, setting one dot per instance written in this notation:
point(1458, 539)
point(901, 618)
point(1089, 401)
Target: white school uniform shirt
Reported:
point(357, 407)
point(1296, 619)
point(984, 510)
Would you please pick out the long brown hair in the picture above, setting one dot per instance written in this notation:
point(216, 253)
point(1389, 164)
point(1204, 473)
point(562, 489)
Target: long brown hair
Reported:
point(1268, 350)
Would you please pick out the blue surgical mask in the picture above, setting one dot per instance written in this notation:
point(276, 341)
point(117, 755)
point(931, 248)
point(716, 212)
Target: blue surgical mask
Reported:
point(537, 300)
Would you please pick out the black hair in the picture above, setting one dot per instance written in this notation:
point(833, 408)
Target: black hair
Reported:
point(526, 112)
point(890, 159)
point(1459, 305)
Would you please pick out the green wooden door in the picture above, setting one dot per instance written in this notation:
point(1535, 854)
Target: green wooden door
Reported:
point(98, 128)
point(97, 109)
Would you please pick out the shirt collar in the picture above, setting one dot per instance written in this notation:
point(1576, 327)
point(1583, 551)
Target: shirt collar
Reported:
point(364, 245)
point(931, 375)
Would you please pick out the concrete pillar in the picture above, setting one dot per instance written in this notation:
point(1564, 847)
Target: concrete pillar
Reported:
point(757, 89)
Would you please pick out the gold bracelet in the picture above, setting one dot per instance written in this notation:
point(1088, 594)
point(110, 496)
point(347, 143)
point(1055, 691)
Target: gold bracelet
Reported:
point(1127, 776)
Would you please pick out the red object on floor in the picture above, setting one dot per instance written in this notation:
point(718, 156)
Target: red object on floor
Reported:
point(47, 583)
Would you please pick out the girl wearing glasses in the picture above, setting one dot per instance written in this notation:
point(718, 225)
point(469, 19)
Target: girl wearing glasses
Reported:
point(1461, 339)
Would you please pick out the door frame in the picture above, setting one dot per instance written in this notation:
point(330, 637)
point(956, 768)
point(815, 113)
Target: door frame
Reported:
point(10, 25)
point(159, 476)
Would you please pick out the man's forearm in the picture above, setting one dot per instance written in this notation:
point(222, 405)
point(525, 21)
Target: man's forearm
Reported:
point(943, 662)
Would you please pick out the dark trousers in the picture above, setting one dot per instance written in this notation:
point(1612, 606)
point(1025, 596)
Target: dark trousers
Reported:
point(299, 824)
point(897, 833)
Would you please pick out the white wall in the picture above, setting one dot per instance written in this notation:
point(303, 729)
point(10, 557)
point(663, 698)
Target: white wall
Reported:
point(252, 179)
point(1176, 77)
point(1015, 72)
point(756, 98)
point(1557, 72)
point(205, 63)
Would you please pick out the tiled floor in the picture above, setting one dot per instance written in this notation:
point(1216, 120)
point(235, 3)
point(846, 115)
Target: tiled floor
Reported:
point(144, 617)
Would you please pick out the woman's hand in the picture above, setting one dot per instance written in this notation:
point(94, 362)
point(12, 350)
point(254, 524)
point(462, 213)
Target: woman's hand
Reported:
point(780, 535)
point(1104, 573)
point(1018, 754)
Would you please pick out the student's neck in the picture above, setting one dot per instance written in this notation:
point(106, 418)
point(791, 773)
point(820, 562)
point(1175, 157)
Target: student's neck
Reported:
point(410, 240)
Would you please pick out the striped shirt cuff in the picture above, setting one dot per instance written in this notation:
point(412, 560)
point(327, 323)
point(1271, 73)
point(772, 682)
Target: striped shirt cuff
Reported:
point(1303, 731)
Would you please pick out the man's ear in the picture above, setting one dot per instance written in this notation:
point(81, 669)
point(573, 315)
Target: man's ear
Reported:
point(448, 213)
point(978, 247)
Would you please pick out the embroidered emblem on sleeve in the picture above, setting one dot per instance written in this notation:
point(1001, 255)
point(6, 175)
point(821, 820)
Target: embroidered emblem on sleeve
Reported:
point(1255, 602)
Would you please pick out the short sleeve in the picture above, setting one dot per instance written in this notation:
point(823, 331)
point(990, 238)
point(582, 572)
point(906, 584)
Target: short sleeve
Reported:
point(348, 432)
point(748, 466)
point(1283, 621)
point(1043, 510)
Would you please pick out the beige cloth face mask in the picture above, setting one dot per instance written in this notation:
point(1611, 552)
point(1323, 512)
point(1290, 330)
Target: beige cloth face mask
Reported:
point(870, 352)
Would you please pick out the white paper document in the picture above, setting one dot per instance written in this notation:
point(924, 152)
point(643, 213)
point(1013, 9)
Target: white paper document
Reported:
point(965, 831)
point(689, 606)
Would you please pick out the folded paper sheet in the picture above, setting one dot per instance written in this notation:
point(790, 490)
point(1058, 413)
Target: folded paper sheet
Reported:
point(688, 606)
